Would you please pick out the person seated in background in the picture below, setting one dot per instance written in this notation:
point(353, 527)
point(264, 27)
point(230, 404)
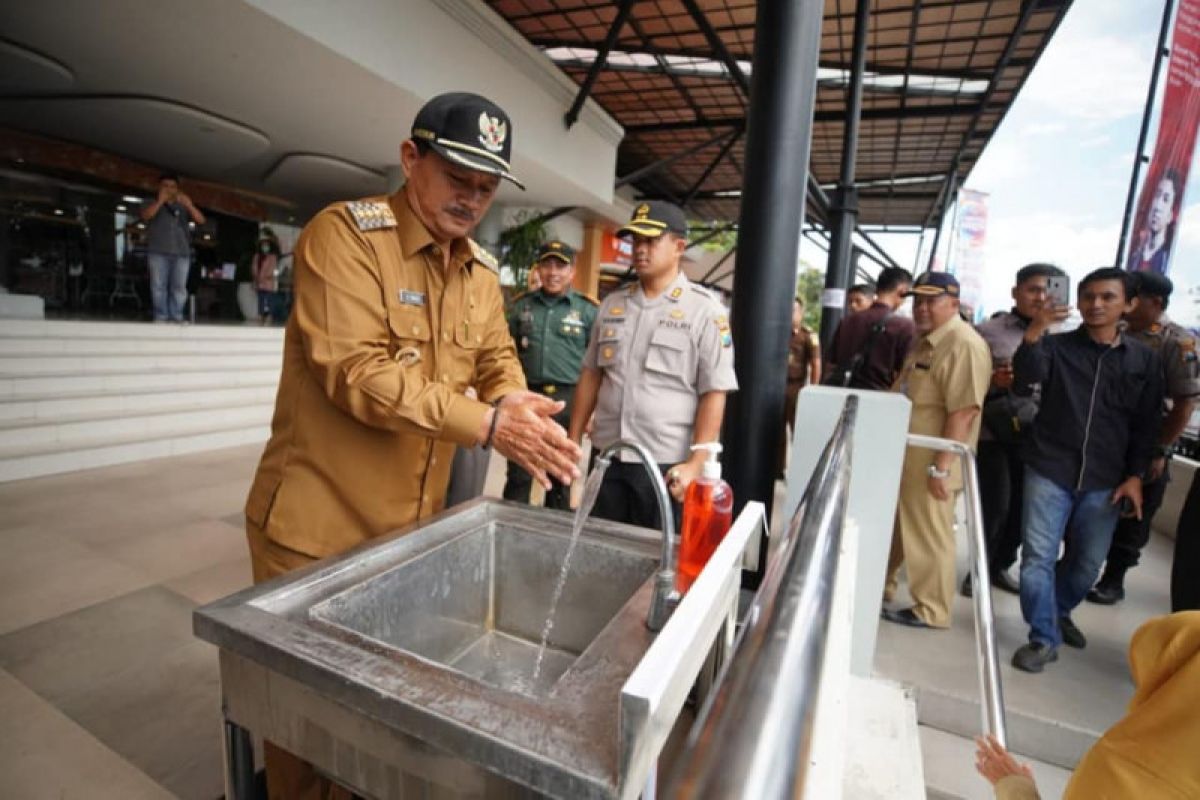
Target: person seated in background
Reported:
point(1176, 347)
point(859, 297)
point(1154, 750)
point(1007, 418)
point(1091, 442)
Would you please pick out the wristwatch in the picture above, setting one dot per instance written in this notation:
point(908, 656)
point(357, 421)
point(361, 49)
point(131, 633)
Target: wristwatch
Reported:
point(940, 474)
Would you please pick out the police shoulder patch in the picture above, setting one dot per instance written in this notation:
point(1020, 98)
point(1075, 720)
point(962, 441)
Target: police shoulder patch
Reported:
point(371, 215)
point(483, 256)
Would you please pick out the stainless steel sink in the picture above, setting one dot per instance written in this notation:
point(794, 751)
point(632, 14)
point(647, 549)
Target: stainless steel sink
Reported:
point(403, 667)
point(478, 603)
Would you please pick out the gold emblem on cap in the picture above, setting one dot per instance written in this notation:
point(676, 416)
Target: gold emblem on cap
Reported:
point(556, 245)
point(492, 132)
point(642, 211)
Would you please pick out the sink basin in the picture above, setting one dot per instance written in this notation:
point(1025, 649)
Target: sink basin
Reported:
point(404, 667)
point(478, 603)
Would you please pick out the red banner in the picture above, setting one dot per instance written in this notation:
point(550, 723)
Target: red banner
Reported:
point(1156, 219)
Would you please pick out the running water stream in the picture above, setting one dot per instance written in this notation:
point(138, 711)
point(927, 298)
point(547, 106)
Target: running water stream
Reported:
point(590, 489)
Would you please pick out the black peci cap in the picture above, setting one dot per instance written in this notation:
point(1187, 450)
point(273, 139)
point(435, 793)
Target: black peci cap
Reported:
point(655, 218)
point(932, 284)
point(556, 249)
point(469, 130)
point(1151, 284)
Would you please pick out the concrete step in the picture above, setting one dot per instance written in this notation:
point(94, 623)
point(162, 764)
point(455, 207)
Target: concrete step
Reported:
point(17, 438)
point(101, 452)
point(949, 765)
point(87, 329)
point(58, 409)
point(114, 346)
point(184, 377)
point(21, 366)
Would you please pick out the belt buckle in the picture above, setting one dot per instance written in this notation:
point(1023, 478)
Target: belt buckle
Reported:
point(549, 388)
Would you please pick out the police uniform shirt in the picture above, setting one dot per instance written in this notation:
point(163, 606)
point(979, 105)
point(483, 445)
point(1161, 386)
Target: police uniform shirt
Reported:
point(657, 357)
point(379, 350)
point(1176, 348)
point(948, 369)
point(552, 333)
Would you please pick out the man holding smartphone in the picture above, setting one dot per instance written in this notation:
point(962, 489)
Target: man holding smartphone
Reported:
point(1007, 418)
point(1091, 443)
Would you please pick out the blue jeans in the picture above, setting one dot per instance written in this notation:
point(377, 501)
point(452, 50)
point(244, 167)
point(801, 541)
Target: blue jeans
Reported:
point(168, 285)
point(1050, 588)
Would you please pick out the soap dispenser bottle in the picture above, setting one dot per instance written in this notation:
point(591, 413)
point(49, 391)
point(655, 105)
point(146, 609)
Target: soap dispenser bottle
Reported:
point(707, 517)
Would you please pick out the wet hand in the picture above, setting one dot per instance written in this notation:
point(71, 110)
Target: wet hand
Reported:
point(993, 762)
point(526, 434)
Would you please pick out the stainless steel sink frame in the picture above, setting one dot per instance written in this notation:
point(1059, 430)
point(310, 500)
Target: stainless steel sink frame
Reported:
point(402, 667)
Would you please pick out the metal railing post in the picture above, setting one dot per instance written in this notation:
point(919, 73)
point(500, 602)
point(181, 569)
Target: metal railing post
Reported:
point(990, 688)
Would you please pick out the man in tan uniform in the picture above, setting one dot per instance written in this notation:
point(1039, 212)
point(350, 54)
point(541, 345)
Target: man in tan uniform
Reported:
point(396, 313)
point(946, 377)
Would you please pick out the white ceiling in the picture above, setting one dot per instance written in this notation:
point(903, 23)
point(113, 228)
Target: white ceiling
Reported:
point(215, 90)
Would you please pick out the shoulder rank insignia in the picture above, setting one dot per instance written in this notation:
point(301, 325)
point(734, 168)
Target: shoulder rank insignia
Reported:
point(371, 215)
point(674, 295)
point(483, 256)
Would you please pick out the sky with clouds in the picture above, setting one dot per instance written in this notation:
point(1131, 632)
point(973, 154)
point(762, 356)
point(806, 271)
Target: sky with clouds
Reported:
point(1057, 171)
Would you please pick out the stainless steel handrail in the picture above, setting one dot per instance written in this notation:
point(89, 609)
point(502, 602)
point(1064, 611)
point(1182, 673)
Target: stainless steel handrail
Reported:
point(754, 733)
point(990, 687)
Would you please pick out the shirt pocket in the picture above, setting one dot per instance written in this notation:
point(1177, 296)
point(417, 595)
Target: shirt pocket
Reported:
point(668, 353)
point(410, 333)
point(608, 348)
point(1123, 394)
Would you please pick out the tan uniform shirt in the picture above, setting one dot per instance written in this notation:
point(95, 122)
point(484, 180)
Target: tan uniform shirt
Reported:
point(1176, 348)
point(657, 357)
point(947, 370)
point(380, 346)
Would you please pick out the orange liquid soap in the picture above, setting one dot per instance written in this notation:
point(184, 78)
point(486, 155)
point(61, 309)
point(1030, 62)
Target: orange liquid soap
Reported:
point(707, 517)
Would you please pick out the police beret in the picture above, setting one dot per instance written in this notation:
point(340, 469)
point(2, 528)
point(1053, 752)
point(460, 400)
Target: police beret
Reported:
point(469, 130)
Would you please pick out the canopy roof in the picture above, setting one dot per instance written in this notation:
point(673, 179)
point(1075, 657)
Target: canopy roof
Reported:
point(940, 76)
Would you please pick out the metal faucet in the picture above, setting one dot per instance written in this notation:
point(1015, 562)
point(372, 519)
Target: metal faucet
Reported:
point(665, 596)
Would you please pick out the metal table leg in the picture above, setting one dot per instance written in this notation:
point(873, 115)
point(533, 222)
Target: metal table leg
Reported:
point(239, 763)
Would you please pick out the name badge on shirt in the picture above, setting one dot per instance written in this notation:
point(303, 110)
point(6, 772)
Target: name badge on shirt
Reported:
point(411, 298)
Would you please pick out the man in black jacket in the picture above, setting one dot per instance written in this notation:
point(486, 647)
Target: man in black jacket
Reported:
point(1091, 442)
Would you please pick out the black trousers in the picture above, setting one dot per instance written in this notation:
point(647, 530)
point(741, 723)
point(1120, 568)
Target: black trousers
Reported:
point(627, 495)
point(519, 483)
point(1132, 533)
point(1185, 568)
point(1001, 493)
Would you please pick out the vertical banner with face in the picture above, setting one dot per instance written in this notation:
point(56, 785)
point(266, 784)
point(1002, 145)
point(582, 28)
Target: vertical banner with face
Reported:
point(1156, 219)
point(967, 256)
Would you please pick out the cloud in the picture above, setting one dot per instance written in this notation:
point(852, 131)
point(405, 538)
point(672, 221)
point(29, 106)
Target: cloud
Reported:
point(1043, 128)
point(1092, 77)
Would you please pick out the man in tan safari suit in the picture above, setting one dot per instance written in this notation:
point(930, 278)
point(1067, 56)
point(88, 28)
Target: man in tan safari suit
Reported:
point(397, 312)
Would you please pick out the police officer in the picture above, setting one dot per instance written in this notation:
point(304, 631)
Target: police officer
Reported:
point(396, 313)
point(946, 377)
point(551, 327)
point(1176, 347)
point(657, 369)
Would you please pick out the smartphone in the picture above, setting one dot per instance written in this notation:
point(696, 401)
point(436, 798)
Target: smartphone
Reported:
point(1058, 290)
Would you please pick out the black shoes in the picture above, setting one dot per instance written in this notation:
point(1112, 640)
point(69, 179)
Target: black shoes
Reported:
point(1071, 635)
point(1107, 592)
point(1000, 579)
point(905, 616)
point(1034, 657)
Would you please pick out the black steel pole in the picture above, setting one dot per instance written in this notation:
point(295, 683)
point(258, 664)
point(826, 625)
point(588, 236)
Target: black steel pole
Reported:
point(951, 186)
point(843, 212)
point(614, 30)
point(1139, 155)
point(787, 43)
